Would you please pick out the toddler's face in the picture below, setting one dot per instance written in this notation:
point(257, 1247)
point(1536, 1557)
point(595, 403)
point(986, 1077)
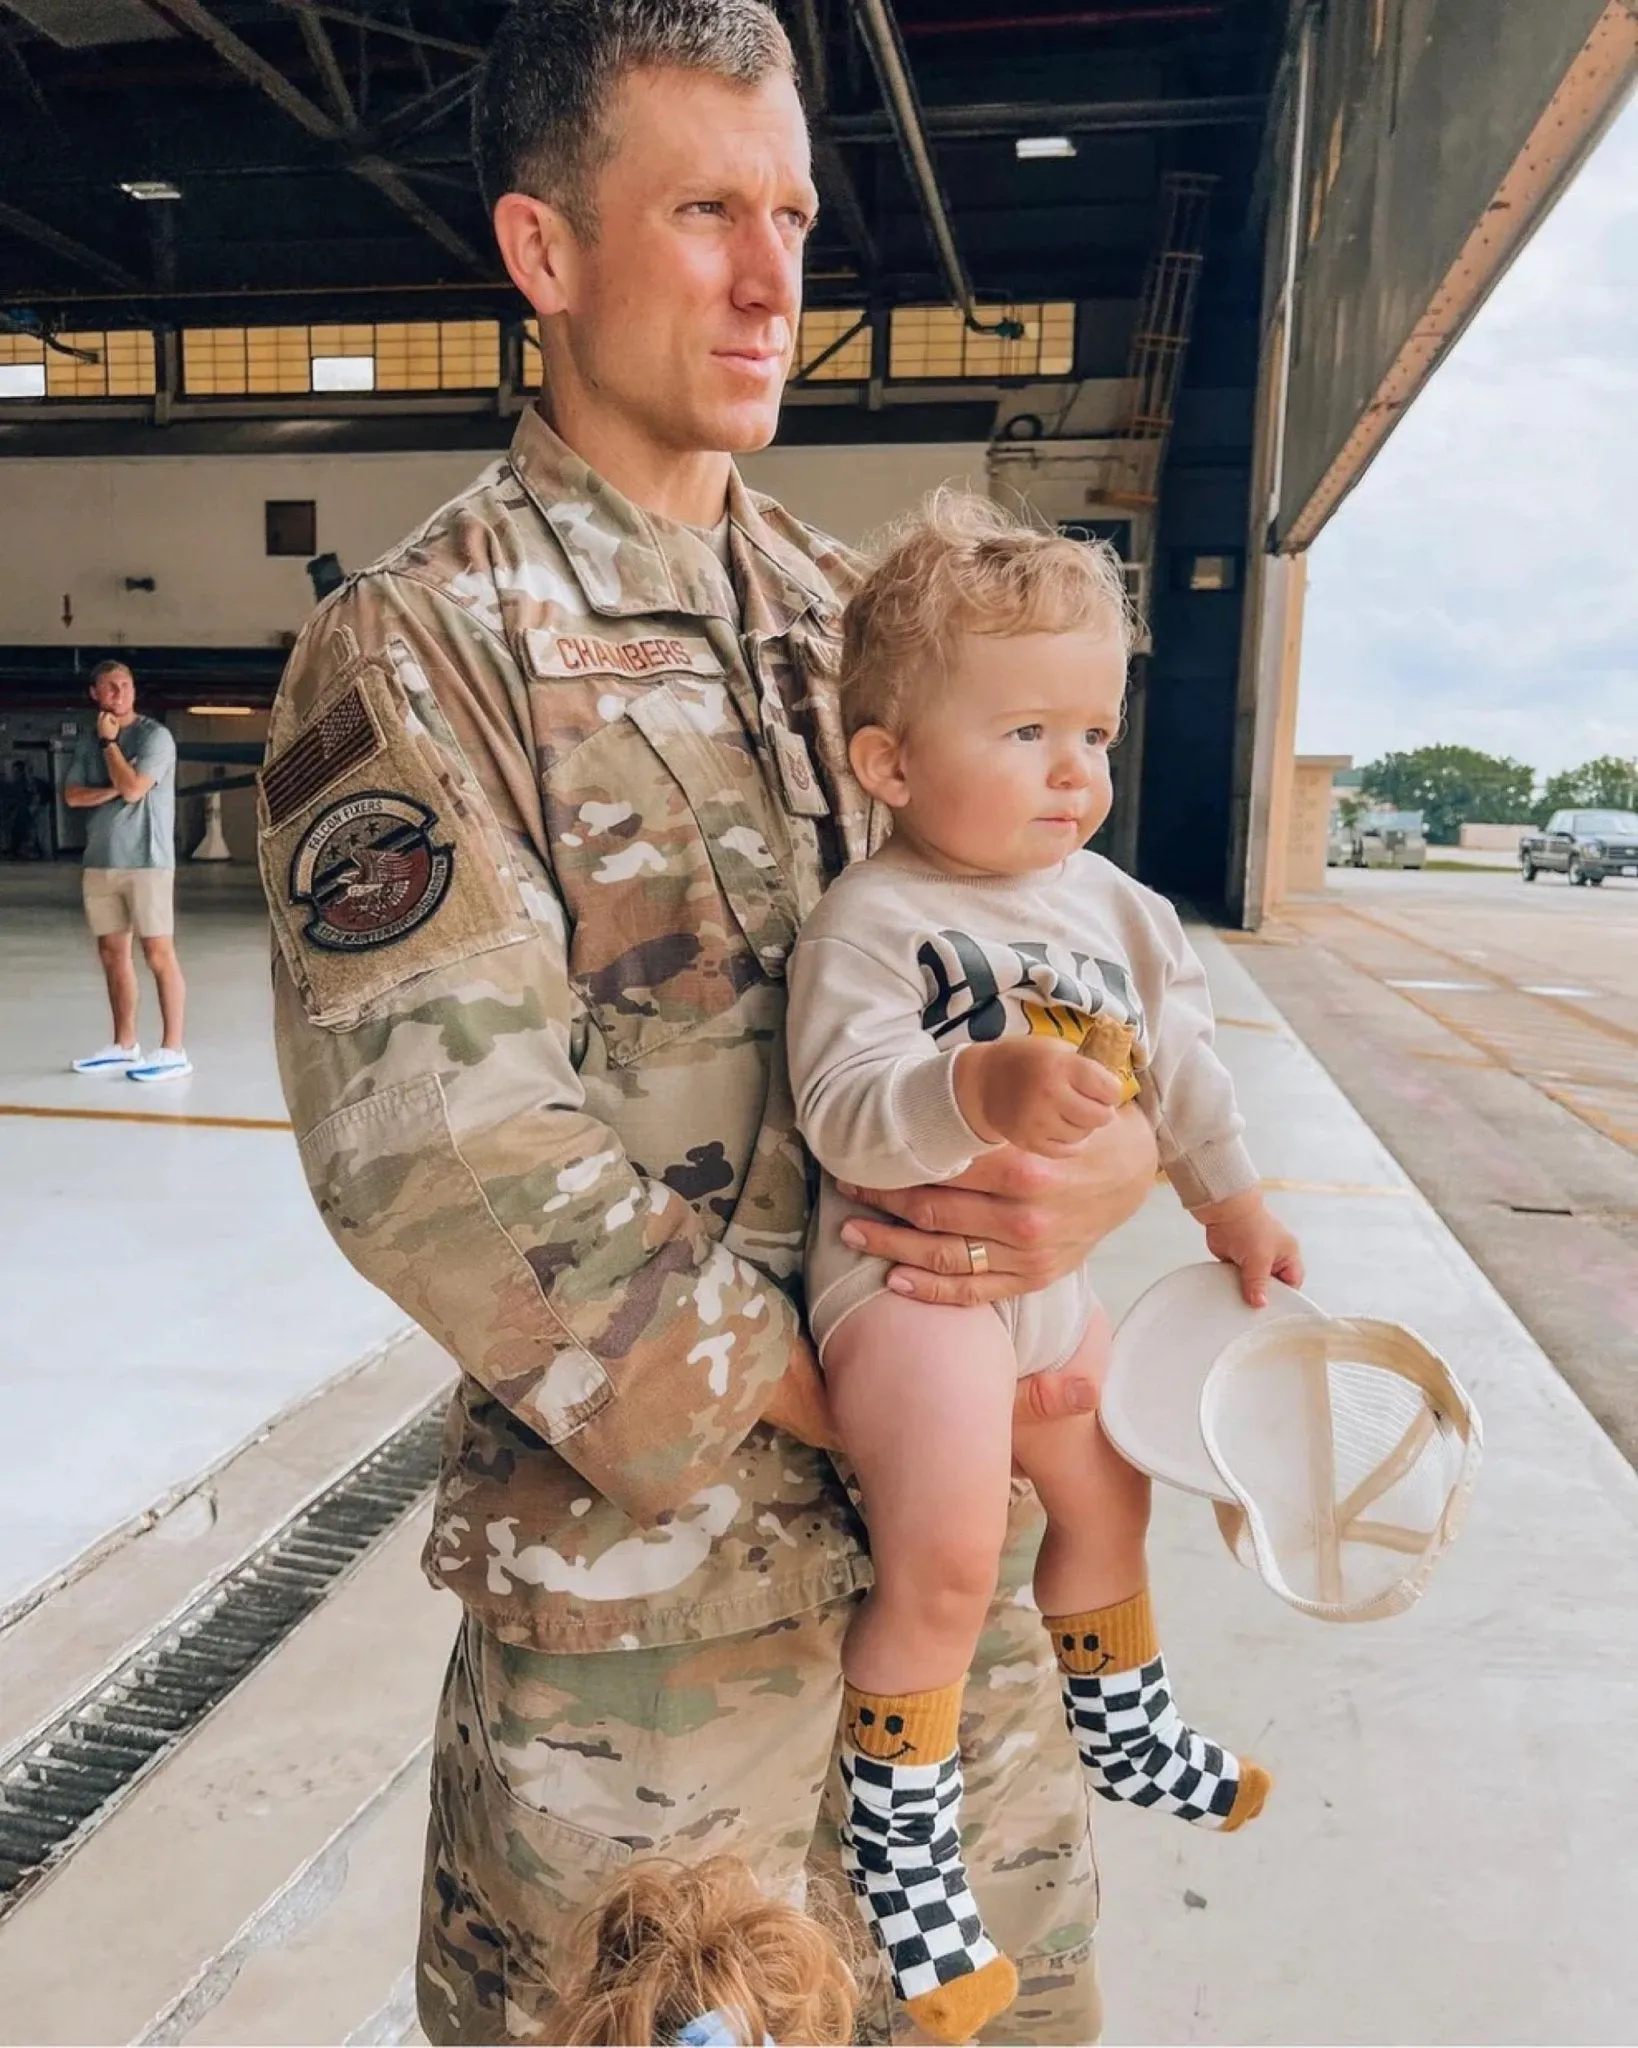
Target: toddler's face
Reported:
point(1004, 769)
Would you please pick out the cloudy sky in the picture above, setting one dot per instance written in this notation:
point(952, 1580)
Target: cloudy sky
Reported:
point(1480, 586)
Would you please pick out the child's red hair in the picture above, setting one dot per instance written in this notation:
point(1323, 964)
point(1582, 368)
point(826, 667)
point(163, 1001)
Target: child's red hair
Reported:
point(669, 1943)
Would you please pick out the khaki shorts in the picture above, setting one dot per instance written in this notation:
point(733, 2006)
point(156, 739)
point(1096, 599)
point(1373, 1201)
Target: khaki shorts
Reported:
point(1046, 1328)
point(130, 899)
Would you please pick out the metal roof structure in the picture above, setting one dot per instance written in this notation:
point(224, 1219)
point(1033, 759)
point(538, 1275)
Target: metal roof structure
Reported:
point(323, 171)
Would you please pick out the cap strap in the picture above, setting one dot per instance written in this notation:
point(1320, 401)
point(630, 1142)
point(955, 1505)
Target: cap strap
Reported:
point(1347, 1341)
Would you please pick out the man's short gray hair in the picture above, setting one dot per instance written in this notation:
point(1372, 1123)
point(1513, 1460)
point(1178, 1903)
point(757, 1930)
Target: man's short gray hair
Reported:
point(540, 113)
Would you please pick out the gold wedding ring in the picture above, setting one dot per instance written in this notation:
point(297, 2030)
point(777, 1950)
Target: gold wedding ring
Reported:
point(978, 1255)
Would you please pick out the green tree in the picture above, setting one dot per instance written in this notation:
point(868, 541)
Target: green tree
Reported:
point(1608, 783)
point(1451, 786)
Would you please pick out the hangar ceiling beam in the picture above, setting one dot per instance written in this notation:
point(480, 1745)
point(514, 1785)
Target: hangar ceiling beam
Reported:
point(16, 222)
point(319, 47)
point(12, 59)
point(880, 29)
point(431, 107)
point(835, 180)
point(372, 168)
point(1076, 117)
point(398, 29)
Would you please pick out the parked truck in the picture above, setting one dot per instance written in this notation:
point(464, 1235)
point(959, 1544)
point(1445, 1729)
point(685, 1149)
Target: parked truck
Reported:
point(1583, 846)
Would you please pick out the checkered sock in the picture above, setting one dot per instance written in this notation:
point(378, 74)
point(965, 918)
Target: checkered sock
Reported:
point(1134, 1743)
point(901, 1849)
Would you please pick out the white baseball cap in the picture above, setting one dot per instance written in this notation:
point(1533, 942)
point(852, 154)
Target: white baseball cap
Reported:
point(1339, 1451)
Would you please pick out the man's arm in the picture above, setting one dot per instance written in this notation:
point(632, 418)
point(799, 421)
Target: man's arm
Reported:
point(131, 785)
point(444, 1129)
point(154, 757)
point(79, 792)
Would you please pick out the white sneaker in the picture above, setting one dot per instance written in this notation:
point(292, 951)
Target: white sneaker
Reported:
point(112, 1059)
point(165, 1065)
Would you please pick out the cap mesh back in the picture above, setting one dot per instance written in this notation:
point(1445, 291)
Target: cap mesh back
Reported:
point(1350, 1449)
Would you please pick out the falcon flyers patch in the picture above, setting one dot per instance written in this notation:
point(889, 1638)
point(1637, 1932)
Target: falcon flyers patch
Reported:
point(370, 872)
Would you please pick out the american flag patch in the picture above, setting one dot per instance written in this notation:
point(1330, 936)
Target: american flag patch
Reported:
point(342, 739)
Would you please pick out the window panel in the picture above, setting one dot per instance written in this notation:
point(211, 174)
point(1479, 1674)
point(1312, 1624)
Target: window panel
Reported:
point(934, 342)
point(408, 355)
point(124, 367)
point(822, 327)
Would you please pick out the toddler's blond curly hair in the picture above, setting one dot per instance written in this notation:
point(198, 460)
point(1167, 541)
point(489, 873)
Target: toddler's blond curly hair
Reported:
point(669, 1943)
point(963, 564)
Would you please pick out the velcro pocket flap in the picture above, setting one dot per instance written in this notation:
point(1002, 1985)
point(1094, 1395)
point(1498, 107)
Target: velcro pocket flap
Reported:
point(378, 854)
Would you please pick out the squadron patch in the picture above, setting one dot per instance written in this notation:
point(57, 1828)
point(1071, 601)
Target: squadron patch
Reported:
point(370, 872)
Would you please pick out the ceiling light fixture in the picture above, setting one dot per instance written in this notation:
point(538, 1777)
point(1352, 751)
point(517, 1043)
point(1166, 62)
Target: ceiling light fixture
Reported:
point(1031, 147)
point(150, 188)
point(221, 711)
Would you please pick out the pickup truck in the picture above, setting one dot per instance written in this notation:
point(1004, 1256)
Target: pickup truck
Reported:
point(1584, 846)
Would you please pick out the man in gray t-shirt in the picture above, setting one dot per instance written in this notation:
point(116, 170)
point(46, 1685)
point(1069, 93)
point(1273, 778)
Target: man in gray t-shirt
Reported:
point(126, 778)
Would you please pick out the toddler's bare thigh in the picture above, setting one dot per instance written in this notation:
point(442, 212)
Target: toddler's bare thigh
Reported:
point(923, 1400)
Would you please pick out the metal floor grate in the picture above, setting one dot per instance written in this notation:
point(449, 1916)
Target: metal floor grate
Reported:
point(65, 1781)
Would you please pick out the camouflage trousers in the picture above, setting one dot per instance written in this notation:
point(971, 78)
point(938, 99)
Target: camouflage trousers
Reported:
point(550, 1773)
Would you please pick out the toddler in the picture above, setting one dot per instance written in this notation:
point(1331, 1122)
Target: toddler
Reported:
point(984, 981)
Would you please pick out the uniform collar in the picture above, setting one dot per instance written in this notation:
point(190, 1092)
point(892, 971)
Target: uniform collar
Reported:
point(620, 554)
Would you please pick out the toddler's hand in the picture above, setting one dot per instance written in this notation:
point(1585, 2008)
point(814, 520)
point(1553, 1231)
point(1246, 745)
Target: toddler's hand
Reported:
point(1244, 1232)
point(1036, 1093)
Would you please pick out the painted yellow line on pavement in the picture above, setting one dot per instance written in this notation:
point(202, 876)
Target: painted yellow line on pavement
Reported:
point(144, 1116)
point(1335, 1187)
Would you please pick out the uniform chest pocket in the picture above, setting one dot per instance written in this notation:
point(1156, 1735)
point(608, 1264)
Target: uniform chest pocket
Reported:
point(660, 828)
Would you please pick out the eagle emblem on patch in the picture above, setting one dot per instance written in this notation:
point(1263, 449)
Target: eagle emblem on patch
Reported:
point(370, 872)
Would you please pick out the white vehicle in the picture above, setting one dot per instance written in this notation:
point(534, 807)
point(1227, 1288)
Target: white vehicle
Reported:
point(1390, 839)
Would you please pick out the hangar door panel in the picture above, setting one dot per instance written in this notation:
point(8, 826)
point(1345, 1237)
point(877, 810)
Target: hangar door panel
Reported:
point(1419, 112)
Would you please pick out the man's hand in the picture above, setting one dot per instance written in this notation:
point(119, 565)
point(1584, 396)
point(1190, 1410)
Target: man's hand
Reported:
point(1244, 1232)
point(1037, 1093)
point(107, 727)
point(799, 1404)
point(1036, 1218)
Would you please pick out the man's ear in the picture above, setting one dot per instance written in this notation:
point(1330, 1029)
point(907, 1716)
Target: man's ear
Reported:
point(539, 248)
point(878, 761)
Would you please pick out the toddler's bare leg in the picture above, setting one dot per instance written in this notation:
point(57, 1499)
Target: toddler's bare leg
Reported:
point(923, 1399)
point(1091, 1584)
point(1097, 1505)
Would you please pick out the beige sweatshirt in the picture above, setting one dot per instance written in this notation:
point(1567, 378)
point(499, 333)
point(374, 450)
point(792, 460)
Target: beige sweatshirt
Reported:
point(900, 966)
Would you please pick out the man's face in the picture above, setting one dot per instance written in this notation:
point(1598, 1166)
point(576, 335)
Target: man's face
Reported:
point(115, 692)
point(681, 316)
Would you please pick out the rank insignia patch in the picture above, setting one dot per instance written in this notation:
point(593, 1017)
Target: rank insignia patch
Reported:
point(370, 872)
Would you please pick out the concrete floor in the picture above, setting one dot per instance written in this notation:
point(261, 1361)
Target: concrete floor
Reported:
point(167, 1286)
point(1488, 1032)
point(1447, 1855)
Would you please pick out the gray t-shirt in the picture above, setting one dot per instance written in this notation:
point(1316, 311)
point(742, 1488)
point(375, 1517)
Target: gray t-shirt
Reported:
point(139, 835)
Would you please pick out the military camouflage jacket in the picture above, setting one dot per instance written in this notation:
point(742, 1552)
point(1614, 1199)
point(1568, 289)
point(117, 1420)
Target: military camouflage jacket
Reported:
point(544, 804)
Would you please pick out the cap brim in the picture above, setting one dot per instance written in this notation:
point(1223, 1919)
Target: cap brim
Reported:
point(1166, 1344)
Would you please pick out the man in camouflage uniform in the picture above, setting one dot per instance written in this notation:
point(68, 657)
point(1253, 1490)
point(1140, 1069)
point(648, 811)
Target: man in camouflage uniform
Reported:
point(548, 793)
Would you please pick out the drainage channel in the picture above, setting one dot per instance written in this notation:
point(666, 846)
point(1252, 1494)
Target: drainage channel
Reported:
point(59, 1788)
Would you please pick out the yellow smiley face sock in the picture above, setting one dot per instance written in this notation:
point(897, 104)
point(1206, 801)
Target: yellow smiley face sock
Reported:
point(1132, 1740)
point(901, 1849)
